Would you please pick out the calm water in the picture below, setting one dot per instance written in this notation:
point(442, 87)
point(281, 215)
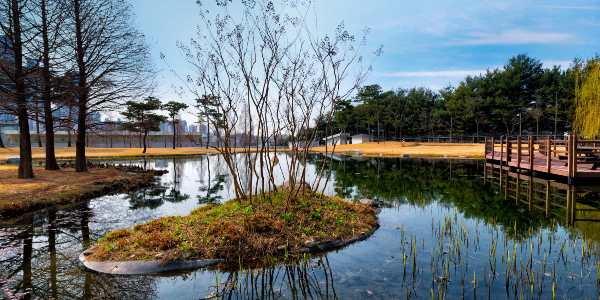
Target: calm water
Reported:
point(449, 229)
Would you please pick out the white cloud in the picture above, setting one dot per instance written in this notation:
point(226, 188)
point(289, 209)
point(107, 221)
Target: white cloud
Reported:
point(573, 7)
point(434, 74)
point(564, 64)
point(517, 37)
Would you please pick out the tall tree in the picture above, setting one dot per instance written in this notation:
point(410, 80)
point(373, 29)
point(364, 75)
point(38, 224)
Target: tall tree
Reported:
point(49, 26)
point(173, 108)
point(111, 60)
point(11, 20)
point(142, 117)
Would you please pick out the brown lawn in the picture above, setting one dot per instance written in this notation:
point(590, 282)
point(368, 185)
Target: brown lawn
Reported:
point(61, 187)
point(399, 149)
point(68, 153)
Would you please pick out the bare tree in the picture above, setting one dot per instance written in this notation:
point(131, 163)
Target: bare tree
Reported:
point(267, 76)
point(14, 74)
point(49, 17)
point(111, 60)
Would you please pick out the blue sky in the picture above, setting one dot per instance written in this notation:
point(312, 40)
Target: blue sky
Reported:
point(426, 43)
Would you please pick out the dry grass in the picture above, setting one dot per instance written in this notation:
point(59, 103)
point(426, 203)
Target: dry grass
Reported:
point(61, 187)
point(69, 153)
point(399, 149)
point(237, 230)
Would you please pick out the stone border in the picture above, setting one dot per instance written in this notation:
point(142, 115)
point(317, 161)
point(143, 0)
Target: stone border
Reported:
point(336, 244)
point(145, 267)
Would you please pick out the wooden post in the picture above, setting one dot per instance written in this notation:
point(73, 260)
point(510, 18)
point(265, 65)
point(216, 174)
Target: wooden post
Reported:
point(493, 148)
point(569, 158)
point(500, 176)
point(519, 151)
point(569, 205)
point(531, 153)
point(530, 193)
point(547, 198)
point(508, 150)
point(548, 156)
point(501, 150)
point(486, 148)
point(518, 191)
point(574, 155)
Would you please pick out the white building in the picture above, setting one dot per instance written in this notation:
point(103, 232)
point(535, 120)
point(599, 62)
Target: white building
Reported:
point(361, 139)
point(337, 139)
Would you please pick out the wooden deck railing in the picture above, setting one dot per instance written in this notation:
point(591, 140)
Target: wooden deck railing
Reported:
point(545, 152)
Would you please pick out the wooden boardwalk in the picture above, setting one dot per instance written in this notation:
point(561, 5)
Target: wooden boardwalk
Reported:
point(570, 159)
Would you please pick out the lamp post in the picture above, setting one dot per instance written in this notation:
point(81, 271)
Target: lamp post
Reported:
point(520, 124)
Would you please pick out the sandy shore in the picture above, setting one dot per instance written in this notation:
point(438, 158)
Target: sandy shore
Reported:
point(97, 153)
point(400, 149)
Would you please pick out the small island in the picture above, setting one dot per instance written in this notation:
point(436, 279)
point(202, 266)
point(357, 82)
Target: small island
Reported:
point(264, 228)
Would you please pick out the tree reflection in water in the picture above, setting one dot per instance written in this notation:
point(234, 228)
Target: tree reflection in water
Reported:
point(307, 279)
point(46, 264)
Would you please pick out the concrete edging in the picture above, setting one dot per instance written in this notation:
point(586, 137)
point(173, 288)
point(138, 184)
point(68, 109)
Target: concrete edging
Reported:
point(145, 267)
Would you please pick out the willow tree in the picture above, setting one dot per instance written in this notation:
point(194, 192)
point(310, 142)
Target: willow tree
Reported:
point(587, 111)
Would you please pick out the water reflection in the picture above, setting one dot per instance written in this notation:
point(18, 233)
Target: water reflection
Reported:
point(450, 229)
point(46, 265)
point(308, 279)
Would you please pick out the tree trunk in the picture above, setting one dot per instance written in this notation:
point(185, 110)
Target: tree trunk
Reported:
point(69, 126)
point(144, 140)
point(51, 163)
point(174, 133)
point(207, 132)
point(37, 124)
point(80, 159)
point(25, 161)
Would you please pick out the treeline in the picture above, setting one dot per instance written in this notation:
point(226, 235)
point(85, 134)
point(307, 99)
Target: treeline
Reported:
point(521, 97)
point(83, 54)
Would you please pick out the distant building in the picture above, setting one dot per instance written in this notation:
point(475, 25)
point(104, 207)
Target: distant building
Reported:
point(166, 127)
point(337, 139)
point(183, 126)
point(303, 144)
point(360, 139)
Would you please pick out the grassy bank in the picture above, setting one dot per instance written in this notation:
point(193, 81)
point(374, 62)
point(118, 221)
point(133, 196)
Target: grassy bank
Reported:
point(63, 187)
point(108, 153)
point(268, 225)
point(401, 149)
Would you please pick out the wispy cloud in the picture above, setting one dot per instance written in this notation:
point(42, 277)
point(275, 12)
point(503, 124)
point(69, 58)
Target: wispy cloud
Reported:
point(573, 7)
point(434, 74)
point(564, 64)
point(516, 37)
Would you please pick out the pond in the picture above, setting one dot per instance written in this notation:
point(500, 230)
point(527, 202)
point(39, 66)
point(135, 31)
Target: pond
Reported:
point(449, 229)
